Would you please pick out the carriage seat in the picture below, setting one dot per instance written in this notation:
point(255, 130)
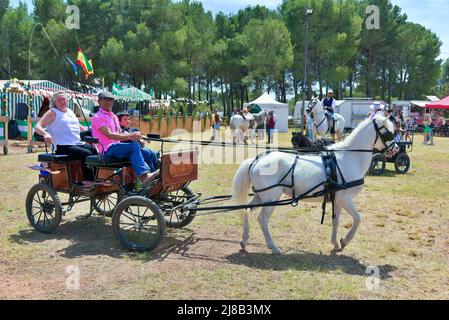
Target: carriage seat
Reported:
point(107, 162)
point(48, 157)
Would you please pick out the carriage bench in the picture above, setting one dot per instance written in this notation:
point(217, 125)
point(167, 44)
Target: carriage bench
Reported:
point(109, 162)
point(49, 157)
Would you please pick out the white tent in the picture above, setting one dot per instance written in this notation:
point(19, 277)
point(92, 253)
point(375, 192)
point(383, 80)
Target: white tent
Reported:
point(267, 103)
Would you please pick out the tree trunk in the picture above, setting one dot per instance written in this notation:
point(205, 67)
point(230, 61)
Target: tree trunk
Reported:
point(295, 88)
point(389, 84)
point(190, 87)
point(8, 54)
point(368, 75)
point(351, 79)
point(384, 81)
point(223, 97)
point(199, 88)
point(284, 88)
point(193, 88)
point(242, 94)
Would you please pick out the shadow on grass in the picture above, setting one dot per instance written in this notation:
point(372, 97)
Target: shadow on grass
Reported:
point(306, 261)
point(389, 174)
point(94, 237)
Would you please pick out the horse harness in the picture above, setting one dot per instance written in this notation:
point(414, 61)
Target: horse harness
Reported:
point(331, 185)
point(332, 170)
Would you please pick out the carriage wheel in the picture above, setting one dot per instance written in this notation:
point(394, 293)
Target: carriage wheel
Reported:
point(105, 205)
point(138, 223)
point(402, 163)
point(44, 209)
point(378, 165)
point(179, 218)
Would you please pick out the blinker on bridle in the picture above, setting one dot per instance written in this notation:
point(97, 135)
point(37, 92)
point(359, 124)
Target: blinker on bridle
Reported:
point(384, 137)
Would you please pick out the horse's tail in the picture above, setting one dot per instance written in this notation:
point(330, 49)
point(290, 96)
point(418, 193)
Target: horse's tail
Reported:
point(242, 183)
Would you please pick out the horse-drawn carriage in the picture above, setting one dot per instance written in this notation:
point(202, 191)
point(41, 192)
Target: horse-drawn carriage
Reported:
point(399, 157)
point(139, 217)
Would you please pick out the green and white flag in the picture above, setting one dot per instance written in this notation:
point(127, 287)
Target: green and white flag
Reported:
point(116, 89)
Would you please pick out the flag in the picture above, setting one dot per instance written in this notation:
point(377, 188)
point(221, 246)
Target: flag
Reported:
point(116, 89)
point(84, 63)
point(152, 92)
point(74, 66)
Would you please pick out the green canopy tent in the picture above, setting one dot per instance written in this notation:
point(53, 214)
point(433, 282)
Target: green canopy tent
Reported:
point(132, 94)
point(255, 109)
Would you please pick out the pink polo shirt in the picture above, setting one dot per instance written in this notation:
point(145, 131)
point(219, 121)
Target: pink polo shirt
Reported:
point(104, 118)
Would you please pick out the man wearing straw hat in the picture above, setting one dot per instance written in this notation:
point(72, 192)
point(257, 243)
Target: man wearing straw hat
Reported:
point(106, 128)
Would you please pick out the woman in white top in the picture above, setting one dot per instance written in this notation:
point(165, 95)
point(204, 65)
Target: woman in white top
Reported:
point(63, 132)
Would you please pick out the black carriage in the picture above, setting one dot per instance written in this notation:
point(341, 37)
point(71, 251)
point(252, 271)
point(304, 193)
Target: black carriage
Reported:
point(400, 159)
point(139, 217)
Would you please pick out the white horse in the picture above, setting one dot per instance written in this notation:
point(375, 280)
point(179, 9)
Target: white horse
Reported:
point(241, 127)
point(309, 171)
point(321, 121)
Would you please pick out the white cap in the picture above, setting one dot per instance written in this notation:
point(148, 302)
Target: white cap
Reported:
point(377, 106)
point(330, 91)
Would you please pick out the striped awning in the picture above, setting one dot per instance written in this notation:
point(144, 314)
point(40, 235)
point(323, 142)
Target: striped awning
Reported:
point(41, 89)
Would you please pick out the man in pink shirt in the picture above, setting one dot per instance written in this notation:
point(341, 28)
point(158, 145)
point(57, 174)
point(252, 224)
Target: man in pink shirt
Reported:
point(116, 144)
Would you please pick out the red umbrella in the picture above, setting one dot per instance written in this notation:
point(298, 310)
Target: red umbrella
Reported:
point(442, 104)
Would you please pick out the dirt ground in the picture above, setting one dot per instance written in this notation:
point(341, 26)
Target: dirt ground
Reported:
point(404, 235)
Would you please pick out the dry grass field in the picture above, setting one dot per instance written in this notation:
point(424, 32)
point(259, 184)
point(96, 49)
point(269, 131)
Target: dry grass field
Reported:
point(404, 233)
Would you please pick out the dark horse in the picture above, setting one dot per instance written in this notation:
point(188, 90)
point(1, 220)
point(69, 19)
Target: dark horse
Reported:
point(300, 141)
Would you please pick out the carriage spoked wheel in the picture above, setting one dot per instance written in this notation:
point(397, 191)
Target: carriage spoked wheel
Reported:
point(378, 165)
point(106, 204)
point(44, 209)
point(402, 163)
point(181, 217)
point(138, 223)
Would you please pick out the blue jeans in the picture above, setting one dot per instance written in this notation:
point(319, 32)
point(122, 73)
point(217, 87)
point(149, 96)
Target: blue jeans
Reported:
point(137, 155)
point(150, 158)
point(270, 133)
point(311, 133)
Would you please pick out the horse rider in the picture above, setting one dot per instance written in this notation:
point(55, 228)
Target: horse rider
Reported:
point(329, 105)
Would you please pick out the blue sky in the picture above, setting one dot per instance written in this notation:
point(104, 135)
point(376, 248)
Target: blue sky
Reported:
point(433, 14)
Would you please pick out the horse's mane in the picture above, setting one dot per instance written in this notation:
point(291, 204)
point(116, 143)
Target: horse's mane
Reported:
point(350, 139)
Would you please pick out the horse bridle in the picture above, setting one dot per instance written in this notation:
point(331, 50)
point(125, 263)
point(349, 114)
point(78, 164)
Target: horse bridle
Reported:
point(314, 105)
point(317, 126)
point(384, 137)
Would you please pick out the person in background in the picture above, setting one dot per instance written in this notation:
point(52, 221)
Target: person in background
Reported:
point(377, 108)
point(149, 156)
point(271, 124)
point(428, 136)
point(112, 141)
point(310, 125)
point(329, 104)
point(64, 132)
point(216, 126)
